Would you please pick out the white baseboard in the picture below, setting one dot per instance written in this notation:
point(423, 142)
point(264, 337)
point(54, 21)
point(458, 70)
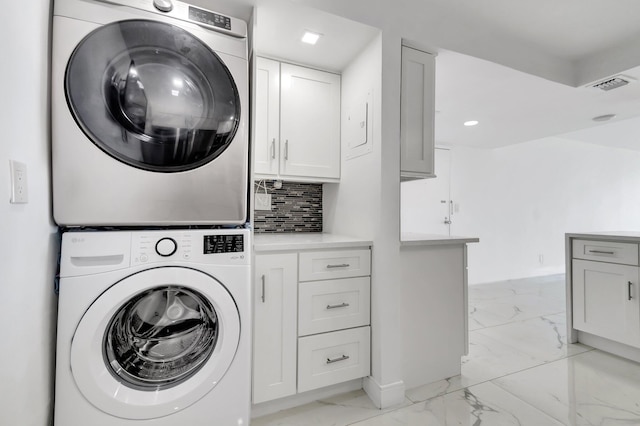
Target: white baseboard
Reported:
point(610, 346)
point(384, 396)
point(270, 407)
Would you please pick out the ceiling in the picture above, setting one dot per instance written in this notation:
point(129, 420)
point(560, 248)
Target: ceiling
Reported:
point(522, 69)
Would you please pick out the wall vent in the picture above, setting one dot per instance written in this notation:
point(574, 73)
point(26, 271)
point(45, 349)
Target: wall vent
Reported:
point(611, 83)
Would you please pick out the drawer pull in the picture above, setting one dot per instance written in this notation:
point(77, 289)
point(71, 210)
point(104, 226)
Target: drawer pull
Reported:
point(342, 358)
point(342, 305)
point(602, 252)
point(262, 297)
point(630, 285)
point(340, 265)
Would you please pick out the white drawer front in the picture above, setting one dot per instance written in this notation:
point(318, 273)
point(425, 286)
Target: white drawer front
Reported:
point(604, 251)
point(330, 358)
point(333, 305)
point(326, 265)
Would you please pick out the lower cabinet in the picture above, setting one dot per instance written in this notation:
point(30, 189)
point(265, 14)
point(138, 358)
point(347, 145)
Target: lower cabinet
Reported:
point(311, 320)
point(605, 300)
point(275, 326)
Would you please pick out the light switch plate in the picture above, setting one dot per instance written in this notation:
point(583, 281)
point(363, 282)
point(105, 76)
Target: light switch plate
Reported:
point(19, 190)
point(263, 201)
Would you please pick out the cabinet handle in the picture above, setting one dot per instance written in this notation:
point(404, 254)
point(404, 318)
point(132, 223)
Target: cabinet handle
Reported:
point(630, 285)
point(273, 148)
point(262, 297)
point(602, 252)
point(342, 358)
point(342, 305)
point(286, 149)
point(341, 265)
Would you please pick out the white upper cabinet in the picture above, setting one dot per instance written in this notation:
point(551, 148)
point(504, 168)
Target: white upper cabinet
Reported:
point(267, 120)
point(417, 109)
point(297, 125)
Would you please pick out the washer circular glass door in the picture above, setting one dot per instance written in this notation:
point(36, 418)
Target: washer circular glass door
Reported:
point(152, 95)
point(155, 342)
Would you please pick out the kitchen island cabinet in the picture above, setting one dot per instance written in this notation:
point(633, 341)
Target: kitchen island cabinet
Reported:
point(603, 298)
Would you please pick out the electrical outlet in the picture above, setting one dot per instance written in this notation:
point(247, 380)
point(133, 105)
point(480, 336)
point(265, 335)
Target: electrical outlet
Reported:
point(263, 201)
point(19, 190)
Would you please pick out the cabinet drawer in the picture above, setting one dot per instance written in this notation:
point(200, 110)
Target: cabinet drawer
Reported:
point(605, 251)
point(329, 358)
point(333, 305)
point(326, 265)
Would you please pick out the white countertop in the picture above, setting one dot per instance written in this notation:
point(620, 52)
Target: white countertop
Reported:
point(304, 241)
point(631, 236)
point(419, 239)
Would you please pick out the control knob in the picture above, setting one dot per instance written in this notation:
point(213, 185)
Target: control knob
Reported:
point(163, 5)
point(165, 247)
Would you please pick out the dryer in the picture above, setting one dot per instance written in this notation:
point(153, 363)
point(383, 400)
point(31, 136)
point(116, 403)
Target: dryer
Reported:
point(149, 114)
point(154, 328)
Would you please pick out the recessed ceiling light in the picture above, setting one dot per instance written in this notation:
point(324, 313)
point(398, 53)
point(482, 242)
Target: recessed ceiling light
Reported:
point(605, 117)
point(310, 37)
point(470, 123)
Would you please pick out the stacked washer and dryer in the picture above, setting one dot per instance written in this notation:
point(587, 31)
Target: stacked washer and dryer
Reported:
point(150, 168)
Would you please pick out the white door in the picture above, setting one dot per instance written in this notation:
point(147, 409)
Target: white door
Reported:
point(155, 342)
point(426, 205)
point(309, 122)
point(275, 329)
point(605, 300)
point(266, 135)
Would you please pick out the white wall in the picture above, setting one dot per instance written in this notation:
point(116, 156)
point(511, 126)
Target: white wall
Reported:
point(365, 203)
point(521, 200)
point(29, 240)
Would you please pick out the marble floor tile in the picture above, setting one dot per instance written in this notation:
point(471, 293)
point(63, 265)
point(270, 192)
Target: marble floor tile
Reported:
point(519, 371)
point(592, 388)
point(336, 411)
point(484, 404)
point(542, 338)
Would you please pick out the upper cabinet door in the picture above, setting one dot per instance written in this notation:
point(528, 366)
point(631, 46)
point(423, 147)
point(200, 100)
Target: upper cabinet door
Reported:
point(267, 117)
point(310, 123)
point(417, 114)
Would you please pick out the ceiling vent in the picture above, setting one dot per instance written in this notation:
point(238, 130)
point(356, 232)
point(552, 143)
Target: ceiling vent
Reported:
point(611, 83)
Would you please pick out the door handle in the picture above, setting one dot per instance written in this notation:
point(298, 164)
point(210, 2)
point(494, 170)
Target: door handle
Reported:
point(273, 148)
point(262, 297)
point(629, 290)
point(286, 149)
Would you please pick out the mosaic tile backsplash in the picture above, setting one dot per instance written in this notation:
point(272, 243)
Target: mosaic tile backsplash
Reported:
point(296, 207)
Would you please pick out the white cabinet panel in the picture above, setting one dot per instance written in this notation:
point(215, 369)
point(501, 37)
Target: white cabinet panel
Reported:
point(333, 305)
point(310, 125)
point(417, 109)
point(331, 264)
point(605, 300)
point(329, 358)
point(267, 121)
point(297, 123)
point(274, 330)
point(606, 251)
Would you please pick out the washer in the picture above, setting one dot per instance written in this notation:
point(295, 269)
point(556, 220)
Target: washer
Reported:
point(154, 328)
point(149, 114)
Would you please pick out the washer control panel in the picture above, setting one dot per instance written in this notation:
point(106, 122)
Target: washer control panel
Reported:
point(199, 246)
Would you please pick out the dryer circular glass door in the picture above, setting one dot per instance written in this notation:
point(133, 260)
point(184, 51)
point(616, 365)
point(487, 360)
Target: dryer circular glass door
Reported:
point(152, 95)
point(155, 342)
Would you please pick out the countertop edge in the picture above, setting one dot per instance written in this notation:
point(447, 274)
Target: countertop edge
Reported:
point(606, 236)
point(410, 239)
point(308, 242)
